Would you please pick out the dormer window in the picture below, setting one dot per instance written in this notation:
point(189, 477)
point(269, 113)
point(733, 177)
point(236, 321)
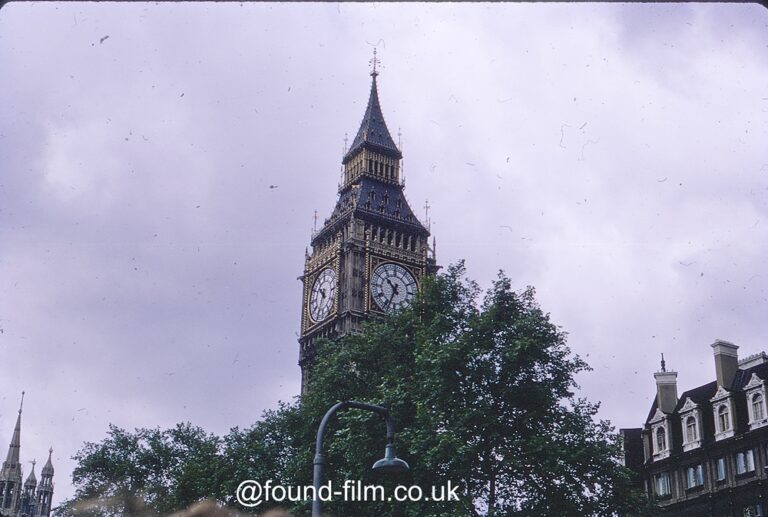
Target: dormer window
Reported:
point(757, 407)
point(659, 435)
point(722, 407)
point(723, 419)
point(755, 390)
point(690, 418)
point(691, 431)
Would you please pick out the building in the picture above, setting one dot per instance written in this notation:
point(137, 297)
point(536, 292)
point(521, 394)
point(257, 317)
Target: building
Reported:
point(370, 254)
point(705, 452)
point(31, 499)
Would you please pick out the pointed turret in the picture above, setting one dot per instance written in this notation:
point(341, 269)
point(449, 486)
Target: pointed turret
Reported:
point(12, 458)
point(15, 445)
point(48, 467)
point(373, 133)
point(31, 481)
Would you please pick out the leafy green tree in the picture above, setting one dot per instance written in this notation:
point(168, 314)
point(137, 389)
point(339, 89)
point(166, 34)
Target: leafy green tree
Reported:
point(144, 472)
point(482, 390)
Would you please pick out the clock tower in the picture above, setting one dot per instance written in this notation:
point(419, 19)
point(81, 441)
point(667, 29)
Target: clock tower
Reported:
point(371, 254)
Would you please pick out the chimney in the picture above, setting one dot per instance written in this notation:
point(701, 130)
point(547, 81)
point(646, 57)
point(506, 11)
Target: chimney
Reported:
point(726, 362)
point(666, 388)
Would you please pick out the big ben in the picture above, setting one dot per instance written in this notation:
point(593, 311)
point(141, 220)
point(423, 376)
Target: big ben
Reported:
point(371, 254)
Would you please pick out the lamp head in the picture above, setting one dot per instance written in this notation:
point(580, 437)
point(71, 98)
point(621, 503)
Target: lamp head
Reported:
point(390, 462)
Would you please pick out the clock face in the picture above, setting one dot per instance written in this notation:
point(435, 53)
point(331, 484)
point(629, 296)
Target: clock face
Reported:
point(322, 295)
point(392, 287)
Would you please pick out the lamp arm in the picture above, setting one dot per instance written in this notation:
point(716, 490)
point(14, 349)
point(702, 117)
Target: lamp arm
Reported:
point(319, 461)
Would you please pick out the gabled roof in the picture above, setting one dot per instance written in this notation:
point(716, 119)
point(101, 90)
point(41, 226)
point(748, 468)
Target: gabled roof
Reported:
point(703, 394)
point(373, 132)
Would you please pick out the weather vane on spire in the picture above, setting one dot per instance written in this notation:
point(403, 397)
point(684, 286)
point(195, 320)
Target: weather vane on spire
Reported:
point(22, 402)
point(374, 63)
point(663, 363)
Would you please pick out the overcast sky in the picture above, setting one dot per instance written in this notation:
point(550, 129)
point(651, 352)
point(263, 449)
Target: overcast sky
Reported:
point(160, 166)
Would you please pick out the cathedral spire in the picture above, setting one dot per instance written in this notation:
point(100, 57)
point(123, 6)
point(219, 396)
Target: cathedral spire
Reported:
point(13, 449)
point(373, 132)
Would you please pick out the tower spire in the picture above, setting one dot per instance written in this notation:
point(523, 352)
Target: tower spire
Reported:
point(13, 449)
point(373, 133)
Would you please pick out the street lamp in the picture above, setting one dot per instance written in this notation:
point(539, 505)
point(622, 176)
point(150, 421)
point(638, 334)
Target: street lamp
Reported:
point(389, 463)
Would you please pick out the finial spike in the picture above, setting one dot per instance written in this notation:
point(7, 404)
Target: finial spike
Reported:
point(374, 62)
point(663, 363)
point(22, 402)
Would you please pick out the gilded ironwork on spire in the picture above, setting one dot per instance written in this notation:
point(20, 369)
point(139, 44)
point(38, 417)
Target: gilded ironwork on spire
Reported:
point(373, 132)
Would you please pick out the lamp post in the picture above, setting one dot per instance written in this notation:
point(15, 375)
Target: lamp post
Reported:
point(389, 463)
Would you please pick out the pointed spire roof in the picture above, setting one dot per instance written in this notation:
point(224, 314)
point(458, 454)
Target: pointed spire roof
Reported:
point(48, 467)
point(31, 479)
point(13, 449)
point(373, 132)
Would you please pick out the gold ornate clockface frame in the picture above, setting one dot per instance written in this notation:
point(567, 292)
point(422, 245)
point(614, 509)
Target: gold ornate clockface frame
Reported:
point(323, 295)
point(392, 287)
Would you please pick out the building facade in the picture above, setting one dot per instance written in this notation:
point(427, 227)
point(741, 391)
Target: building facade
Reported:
point(705, 452)
point(30, 499)
point(371, 254)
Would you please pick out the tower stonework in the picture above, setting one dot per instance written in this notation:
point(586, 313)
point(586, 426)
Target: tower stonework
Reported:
point(372, 253)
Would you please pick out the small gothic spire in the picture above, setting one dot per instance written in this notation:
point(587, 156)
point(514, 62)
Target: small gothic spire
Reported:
point(48, 467)
point(663, 363)
point(13, 449)
point(31, 479)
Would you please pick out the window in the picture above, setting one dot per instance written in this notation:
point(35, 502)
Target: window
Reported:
point(661, 439)
point(663, 487)
point(745, 462)
point(755, 510)
point(721, 469)
point(695, 476)
point(723, 418)
point(757, 407)
point(691, 433)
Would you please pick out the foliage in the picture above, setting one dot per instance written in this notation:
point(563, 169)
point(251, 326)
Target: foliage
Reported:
point(482, 391)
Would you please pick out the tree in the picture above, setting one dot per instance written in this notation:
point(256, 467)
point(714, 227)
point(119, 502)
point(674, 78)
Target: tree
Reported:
point(483, 394)
point(484, 397)
point(147, 471)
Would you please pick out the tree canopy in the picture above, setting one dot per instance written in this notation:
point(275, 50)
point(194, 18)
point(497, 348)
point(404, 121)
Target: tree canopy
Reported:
point(481, 388)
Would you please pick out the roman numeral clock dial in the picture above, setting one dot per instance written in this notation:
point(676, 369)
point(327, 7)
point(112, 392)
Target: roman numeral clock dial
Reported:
point(392, 287)
point(322, 296)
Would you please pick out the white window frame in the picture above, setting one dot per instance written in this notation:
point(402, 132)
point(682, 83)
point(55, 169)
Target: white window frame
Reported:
point(745, 461)
point(694, 476)
point(662, 484)
point(756, 386)
point(723, 399)
point(659, 421)
point(721, 469)
point(690, 409)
